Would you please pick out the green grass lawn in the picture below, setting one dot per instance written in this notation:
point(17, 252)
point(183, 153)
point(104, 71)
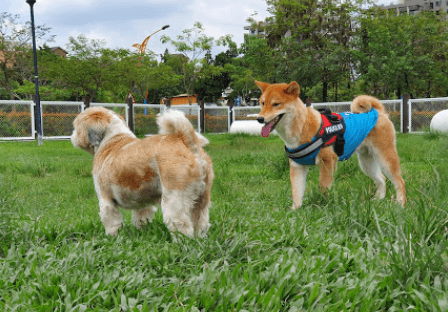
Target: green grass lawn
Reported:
point(342, 252)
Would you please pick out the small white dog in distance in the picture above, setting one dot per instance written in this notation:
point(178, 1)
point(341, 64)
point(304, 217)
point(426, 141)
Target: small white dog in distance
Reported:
point(136, 174)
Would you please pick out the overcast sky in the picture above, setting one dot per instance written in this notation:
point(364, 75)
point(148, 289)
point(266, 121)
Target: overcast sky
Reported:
point(122, 23)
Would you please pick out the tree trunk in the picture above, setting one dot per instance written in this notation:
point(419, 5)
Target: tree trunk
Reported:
point(335, 91)
point(324, 91)
point(11, 94)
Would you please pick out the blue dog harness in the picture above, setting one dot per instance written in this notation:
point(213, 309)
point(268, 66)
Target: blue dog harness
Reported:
point(345, 131)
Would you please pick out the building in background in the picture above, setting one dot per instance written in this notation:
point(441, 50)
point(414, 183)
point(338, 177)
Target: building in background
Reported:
point(258, 30)
point(180, 99)
point(412, 7)
point(59, 51)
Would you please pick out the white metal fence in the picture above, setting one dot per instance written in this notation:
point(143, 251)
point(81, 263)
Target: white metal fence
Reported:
point(17, 120)
point(421, 112)
point(145, 118)
point(217, 119)
point(245, 113)
point(58, 117)
point(17, 117)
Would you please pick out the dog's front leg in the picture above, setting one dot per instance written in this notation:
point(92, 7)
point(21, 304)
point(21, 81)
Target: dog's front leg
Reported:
point(297, 175)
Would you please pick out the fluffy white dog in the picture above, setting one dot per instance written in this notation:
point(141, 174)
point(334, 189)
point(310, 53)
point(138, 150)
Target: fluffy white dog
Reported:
point(135, 174)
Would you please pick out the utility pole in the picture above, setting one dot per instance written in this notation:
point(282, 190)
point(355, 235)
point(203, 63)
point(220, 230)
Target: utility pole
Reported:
point(36, 80)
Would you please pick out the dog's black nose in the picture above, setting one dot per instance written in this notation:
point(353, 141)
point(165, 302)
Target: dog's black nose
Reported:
point(260, 119)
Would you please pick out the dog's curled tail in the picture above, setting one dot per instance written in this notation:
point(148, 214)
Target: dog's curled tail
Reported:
point(364, 103)
point(175, 122)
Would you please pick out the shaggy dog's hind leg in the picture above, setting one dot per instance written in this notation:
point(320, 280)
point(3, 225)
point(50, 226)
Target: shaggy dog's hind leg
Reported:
point(176, 209)
point(200, 214)
point(111, 217)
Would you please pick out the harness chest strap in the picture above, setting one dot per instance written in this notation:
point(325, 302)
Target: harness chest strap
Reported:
point(331, 132)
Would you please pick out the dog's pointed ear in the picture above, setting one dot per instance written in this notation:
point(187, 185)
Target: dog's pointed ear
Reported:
point(262, 85)
point(293, 88)
point(95, 136)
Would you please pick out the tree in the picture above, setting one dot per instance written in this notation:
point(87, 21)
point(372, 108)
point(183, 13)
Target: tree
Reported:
point(15, 48)
point(107, 74)
point(151, 76)
point(316, 38)
point(403, 53)
point(215, 76)
point(86, 69)
point(243, 82)
point(260, 58)
point(192, 45)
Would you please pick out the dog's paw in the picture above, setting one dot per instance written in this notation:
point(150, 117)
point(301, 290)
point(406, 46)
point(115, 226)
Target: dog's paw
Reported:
point(112, 230)
point(380, 193)
point(401, 200)
point(110, 233)
point(295, 206)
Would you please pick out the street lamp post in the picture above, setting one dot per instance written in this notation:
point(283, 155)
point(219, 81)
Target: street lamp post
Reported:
point(36, 80)
point(142, 47)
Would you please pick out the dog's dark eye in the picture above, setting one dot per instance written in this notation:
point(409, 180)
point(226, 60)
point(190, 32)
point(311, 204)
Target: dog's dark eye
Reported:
point(276, 104)
point(262, 103)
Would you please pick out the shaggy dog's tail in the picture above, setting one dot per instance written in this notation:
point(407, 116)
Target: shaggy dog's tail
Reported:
point(175, 122)
point(364, 103)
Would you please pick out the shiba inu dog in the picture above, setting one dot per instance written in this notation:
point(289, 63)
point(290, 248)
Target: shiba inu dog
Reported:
point(170, 168)
point(324, 138)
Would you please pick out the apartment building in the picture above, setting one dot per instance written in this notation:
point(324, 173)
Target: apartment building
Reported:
point(412, 7)
point(256, 31)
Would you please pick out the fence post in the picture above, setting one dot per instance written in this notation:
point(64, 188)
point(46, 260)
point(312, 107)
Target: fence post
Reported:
point(86, 100)
point(405, 113)
point(33, 97)
point(230, 104)
point(130, 107)
point(308, 102)
point(202, 116)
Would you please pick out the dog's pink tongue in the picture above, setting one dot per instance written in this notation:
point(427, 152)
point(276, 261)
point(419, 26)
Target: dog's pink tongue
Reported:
point(266, 130)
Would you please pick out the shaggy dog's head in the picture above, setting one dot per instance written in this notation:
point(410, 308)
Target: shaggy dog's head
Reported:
point(93, 125)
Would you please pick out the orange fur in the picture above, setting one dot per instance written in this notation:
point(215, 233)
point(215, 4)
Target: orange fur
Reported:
point(377, 154)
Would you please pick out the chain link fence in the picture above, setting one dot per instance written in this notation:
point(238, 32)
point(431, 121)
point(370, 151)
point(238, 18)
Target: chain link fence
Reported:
point(17, 117)
point(58, 117)
point(245, 113)
point(16, 120)
point(145, 116)
point(216, 119)
point(421, 112)
point(393, 109)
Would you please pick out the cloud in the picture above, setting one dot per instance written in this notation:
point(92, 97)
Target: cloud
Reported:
point(122, 23)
